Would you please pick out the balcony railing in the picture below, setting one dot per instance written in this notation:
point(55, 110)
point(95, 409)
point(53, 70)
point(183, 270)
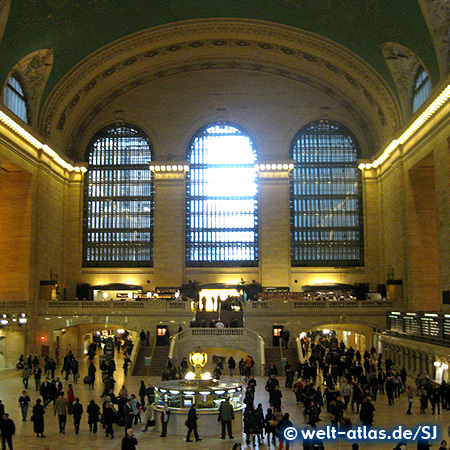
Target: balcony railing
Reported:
point(289, 305)
point(115, 306)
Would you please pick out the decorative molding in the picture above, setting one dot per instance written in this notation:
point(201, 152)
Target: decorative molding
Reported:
point(402, 63)
point(34, 70)
point(5, 6)
point(207, 44)
point(437, 17)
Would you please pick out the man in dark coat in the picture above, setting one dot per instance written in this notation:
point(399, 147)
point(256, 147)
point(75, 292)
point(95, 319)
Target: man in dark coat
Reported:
point(129, 442)
point(77, 411)
point(226, 416)
point(367, 412)
point(191, 424)
point(7, 429)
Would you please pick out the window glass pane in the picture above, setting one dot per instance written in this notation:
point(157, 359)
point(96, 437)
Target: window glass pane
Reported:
point(326, 206)
point(14, 98)
point(222, 209)
point(422, 89)
point(119, 187)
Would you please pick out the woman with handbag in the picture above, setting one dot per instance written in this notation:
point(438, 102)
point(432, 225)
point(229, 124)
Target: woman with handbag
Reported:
point(38, 418)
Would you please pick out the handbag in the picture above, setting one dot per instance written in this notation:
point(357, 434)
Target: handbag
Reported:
point(32, 418)
point(273, 423)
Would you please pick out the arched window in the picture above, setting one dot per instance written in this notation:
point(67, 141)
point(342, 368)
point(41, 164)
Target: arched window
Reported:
point(119, 187)
point(221, 202)
point(422, 89)
point(14, 98)
point(326, 202)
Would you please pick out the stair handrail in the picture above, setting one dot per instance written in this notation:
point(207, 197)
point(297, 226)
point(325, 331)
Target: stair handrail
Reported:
point(153, 351)
point(299, 349)
point(280, 343)
point(173, 340)
point(134, 353)
point(262, 354)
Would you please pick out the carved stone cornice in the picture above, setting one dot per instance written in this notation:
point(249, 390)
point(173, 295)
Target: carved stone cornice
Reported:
point(219, 44)
point(402, 64)
point(437, 17)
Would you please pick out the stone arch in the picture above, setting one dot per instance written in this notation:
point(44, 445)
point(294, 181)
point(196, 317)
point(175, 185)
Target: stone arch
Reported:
point(33, 72)
point(185, 48)
point(403, 64)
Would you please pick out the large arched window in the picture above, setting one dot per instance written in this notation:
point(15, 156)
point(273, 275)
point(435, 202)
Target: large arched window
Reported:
point(326, 202)
point(118, 215)
point(221, 202)
point(421, 90)
point(14, 98)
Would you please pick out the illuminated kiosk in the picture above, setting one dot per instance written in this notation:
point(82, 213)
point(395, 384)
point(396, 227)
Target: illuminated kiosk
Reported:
point(206, 393)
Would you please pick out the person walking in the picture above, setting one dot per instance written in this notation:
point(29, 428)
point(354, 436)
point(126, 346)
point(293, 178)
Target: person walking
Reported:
point(38, 418)
point(127, 415)
point(409, 394)
point(70, 397)
point(226, 416)
point(93, 411)
point(91, 374)
point(282, 425)
point(231, 365)
point(62, 408)
point(129, 442)
point(109, 416)
point(165, 414)
point(37, 372)
point(77, 412)
point(191, 424)
point(25, 376)
point(24, 402)
point(7, 429)
point(126, 363)
point(142, 392)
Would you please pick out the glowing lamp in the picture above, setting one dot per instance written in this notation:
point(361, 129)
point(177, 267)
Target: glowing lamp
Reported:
point(198, 360)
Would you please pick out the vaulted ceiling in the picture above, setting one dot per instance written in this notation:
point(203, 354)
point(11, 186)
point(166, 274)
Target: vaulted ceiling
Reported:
point(76, 28)
point(87, 60)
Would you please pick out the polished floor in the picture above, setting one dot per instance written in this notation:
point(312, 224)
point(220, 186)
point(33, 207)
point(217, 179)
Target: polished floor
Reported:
point(11, 388)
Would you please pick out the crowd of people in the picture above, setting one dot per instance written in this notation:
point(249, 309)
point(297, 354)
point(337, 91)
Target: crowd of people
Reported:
point(334, 384)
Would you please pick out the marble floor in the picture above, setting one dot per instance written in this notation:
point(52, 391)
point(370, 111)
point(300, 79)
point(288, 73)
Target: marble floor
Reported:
point(11, 388)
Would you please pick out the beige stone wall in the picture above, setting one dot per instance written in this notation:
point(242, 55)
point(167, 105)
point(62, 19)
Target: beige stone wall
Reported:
point(169, 229)
point(422, 240)
point(274, 228)
point(15, 232)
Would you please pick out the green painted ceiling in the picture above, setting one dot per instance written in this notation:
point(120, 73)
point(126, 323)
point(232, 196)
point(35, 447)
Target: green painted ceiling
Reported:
point(76, 28)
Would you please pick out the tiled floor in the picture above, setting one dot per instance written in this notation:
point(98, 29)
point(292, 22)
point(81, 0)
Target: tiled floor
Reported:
point(11, 387)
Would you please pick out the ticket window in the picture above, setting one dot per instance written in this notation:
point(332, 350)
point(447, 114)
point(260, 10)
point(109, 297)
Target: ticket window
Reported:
point(161, 335)
point(276, 334)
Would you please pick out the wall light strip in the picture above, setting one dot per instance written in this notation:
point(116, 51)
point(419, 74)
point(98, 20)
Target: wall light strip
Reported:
point(24, 134)
point(411, 130)
point(169, 167)
point(276, 166)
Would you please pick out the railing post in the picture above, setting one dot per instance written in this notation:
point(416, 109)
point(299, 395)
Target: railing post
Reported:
point(262, 355)
point(172, 345)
